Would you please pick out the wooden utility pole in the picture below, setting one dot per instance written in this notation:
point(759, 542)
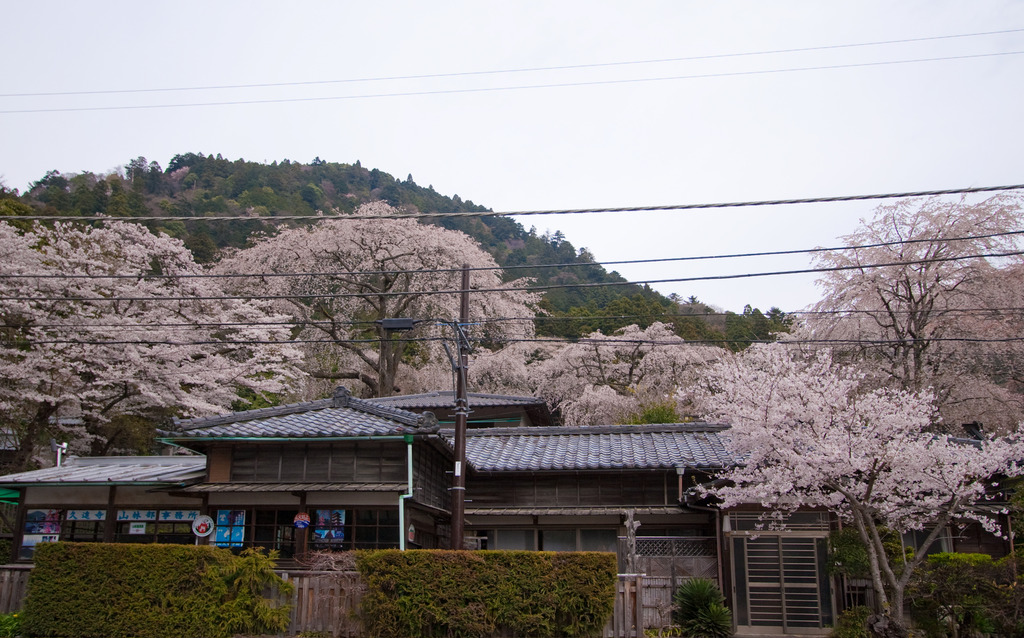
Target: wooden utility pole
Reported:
point(461, 416)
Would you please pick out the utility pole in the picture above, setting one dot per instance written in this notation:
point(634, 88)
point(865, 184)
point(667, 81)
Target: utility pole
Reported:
point(461, 416)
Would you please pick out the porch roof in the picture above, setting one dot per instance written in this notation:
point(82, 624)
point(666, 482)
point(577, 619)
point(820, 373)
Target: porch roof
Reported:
point(115, 470)
point(608, 447)
point(570, 511)
point(298, 487)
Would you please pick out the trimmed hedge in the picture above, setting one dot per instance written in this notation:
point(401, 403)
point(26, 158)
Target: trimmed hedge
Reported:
point(421, 593)
point(968, 594)
point(98, 590)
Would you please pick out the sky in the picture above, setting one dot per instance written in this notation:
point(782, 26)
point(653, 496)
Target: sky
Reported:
point(538, 106)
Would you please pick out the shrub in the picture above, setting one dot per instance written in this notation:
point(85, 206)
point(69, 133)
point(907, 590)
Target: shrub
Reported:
point(97, 590)
point(700, 609)
point(852, 623)
point(956, 594)
point(460, 593)
point(246, 610)
point(10, 625)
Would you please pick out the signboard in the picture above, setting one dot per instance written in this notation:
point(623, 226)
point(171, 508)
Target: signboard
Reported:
point(85, 515)
point(178, 516)
point(202, 526)
point(136, 515)
point(301, 520)
point(31, 540)
point(137, 528)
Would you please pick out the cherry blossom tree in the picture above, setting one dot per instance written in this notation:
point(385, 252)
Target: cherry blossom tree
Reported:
point(107, 327)
point(921, 291)
point(813, 434)
point(361, 271)
point(609, 378)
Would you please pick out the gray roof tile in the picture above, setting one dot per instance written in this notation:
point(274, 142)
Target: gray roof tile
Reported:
point(341, 416)
point(595, 448)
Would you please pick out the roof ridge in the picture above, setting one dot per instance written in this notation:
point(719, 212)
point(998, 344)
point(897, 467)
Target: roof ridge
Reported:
point(696, 426)
point(416, 395)
point(342, 398)
point(450, 393)
point(248, 415)
point(425, 421)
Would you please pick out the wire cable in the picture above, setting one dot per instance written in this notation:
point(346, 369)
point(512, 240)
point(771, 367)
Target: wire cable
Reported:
point(566, 211)
point(564, 67)
point(461, 74)
point(455, 291)
point(350, 273)
point(1002, 312)
point(610, 340)
point(497, 89)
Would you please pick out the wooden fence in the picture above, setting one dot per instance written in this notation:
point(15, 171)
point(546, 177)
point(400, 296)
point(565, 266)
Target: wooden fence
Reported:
point(13, 584)
point(325, 602)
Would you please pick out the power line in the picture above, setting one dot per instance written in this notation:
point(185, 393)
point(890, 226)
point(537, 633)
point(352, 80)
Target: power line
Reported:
point(608, 341)
point(347, 273)
point(564, 67)
point(495, 89)
point(603, 284)
point(491, 320)
point(522, 213)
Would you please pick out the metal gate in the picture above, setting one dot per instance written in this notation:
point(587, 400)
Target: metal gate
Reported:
point(780, 584)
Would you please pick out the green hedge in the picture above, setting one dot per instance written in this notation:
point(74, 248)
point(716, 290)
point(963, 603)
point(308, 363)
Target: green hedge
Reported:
point(955, 594)
point(416, 594)
point(97, 590)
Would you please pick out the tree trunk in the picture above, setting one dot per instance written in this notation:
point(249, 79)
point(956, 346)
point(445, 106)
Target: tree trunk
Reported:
point(885, 625)
point(35, 430)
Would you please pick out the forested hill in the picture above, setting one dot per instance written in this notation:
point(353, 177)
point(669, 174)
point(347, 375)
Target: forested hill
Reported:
point(196, 185)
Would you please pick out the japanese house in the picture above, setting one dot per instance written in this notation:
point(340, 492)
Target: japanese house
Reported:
point(347, 473)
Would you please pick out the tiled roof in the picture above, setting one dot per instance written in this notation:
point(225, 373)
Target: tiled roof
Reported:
point(298, 487)
point(643, 510)
point(446, 399)
point(595, 448)
point(108, 470)
point(340, 416)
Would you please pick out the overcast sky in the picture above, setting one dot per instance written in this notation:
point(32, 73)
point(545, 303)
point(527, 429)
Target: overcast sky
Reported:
point(548, 106)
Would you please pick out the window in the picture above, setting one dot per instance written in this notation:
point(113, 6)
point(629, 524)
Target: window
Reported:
point(552, 540)
point(558, 540)
point(511, 539)
point(598, 540)
point(275, 529)
point(354, 529)
point(155, 526)
point(41, 526)
point(916, 539)
point(369, 462)
point(82, 531)
point(333, 529)
point(83, 526)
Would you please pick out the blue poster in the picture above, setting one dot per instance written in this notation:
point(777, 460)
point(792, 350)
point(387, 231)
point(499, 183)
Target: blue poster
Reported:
point(230, 528)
